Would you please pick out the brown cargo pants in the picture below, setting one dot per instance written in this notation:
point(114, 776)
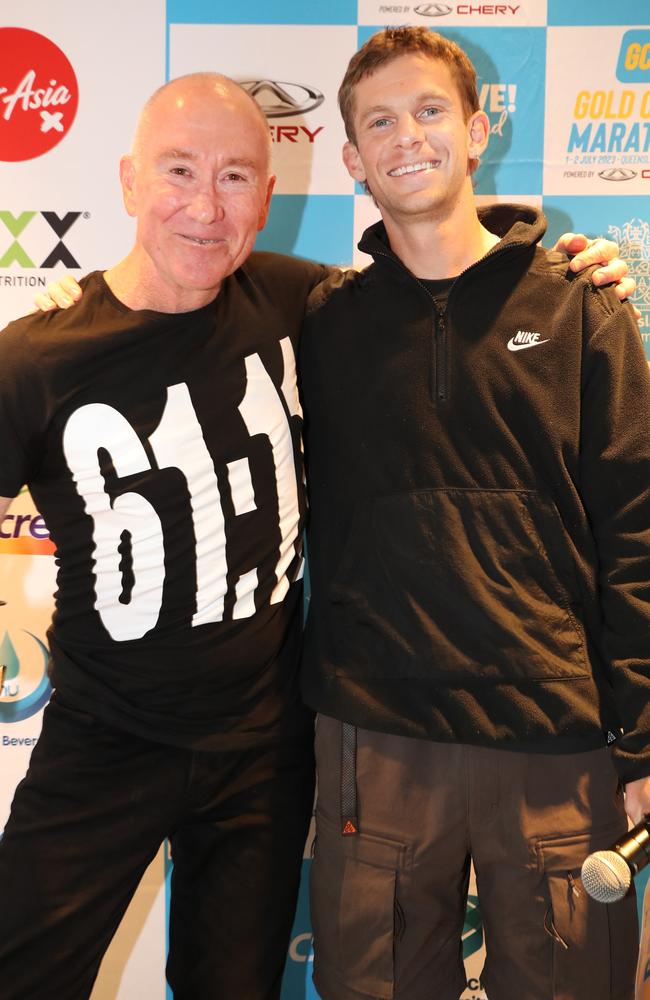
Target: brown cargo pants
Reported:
point(388, 903)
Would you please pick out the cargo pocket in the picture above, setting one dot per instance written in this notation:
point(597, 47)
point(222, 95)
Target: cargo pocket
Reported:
point(354, 907)
point(594, 945)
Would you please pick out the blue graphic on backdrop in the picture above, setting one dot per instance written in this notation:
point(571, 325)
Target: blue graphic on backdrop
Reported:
point(598, 12)
point(510, 65)
point(634, 58)
point(318, 226)
point(261, 12)
point(640, 883)
point(297, 983)
point(168, 887)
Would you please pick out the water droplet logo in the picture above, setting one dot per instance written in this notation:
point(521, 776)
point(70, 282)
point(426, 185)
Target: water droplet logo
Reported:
point(24, 683)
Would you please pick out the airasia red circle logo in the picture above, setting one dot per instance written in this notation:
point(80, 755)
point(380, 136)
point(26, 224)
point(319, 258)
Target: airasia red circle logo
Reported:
point(39, 94)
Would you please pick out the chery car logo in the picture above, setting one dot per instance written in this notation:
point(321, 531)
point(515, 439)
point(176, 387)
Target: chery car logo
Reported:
point(433, 9)
point(617, 174)
point(279, 99)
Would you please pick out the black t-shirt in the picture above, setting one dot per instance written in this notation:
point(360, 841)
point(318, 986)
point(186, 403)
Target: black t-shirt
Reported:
point(164, 452)
point(439, 289)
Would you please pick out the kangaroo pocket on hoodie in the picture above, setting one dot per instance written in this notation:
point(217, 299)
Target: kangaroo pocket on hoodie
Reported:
point(458, 583)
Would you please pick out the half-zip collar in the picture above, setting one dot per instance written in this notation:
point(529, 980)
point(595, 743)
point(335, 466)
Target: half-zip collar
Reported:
point(519, 226)
point(522, 227)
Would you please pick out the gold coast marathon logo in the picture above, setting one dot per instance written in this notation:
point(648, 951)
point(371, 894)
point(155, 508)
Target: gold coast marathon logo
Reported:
point(39, 94)
point(24, 683)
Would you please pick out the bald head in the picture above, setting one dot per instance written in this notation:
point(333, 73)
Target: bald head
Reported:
point(198, 93)
point(199, 183)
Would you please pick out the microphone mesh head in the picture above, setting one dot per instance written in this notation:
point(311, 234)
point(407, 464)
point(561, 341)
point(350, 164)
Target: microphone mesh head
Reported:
point(606, 876)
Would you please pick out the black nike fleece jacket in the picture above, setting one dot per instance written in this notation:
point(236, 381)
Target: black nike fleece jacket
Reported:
point(479, 483)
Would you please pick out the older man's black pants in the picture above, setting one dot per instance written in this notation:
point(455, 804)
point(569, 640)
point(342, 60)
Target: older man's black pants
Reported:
point(90, 816)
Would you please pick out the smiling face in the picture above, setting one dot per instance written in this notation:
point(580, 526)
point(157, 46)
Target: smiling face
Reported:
point(198, 183)
point(413, 142)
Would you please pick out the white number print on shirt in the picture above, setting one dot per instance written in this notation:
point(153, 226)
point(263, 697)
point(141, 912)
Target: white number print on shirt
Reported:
point(178, 442)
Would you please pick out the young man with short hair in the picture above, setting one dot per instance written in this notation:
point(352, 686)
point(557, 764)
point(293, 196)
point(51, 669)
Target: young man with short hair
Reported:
point(479, 470)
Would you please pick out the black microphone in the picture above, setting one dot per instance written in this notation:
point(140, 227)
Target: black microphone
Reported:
point(607, 875)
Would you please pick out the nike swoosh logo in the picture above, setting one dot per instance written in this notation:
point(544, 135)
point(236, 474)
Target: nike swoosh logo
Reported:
point(522, 347)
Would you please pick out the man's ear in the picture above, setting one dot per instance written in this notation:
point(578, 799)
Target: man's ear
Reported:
point(478, 128)
point(353, 162)
point(264, 212)
point(127, 180)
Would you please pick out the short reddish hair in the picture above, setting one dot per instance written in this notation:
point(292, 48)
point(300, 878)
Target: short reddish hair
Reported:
point(392, 43)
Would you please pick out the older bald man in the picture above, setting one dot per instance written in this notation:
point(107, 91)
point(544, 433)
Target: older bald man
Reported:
point(157, 425)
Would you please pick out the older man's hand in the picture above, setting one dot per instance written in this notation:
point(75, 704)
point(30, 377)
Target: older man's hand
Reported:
point(614, 271)
point(58, 294)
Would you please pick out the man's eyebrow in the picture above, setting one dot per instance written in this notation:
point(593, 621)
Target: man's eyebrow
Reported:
point(433, 95)
point(241, 161)
point(188, 154)
point(385, 109)
point(177, 154)
point(375, 110)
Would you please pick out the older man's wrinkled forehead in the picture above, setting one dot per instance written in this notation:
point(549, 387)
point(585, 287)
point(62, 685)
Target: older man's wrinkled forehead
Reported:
point(196, 97)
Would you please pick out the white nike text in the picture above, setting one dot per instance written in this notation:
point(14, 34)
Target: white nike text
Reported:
point(523, 339)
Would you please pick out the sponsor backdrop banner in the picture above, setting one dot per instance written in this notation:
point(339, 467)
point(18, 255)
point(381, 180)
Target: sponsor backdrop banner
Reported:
point(567, 90)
